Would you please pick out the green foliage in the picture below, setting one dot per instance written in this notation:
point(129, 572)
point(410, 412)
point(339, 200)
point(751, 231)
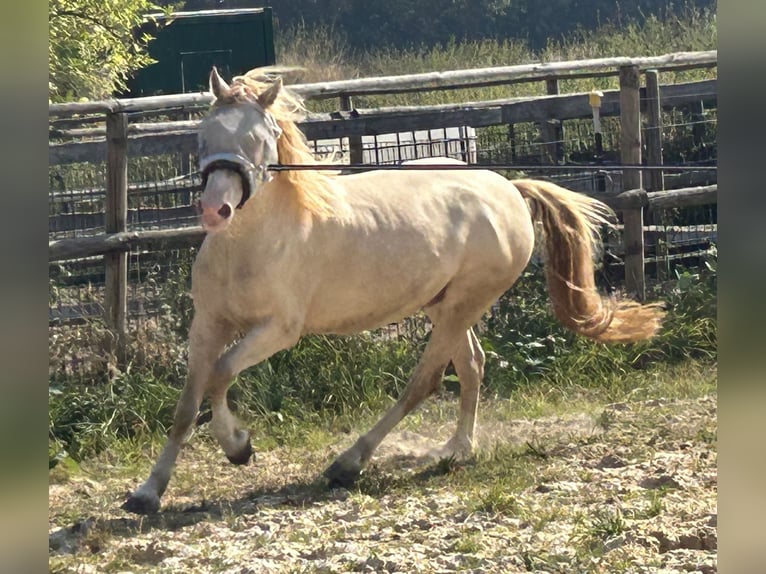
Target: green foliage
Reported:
point(93, 46)
point(467, 543)
point(335, 375)
point(686, 28)
point(319, 52)
point(607, 524)
point(525, 344)
point(521, 337)
point(327, 53)
point(85, 419)
point(499, 498)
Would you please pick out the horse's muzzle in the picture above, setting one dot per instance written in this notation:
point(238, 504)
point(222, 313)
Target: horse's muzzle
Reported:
point(214, 217)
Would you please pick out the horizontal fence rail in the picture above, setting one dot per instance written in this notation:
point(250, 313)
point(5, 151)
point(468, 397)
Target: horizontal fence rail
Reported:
point(455, 79)
point(483, 77)
point(181, 136)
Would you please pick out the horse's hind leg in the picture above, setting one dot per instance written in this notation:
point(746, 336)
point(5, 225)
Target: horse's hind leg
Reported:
point(468, 361)
point(207, 340)
point(424, 381)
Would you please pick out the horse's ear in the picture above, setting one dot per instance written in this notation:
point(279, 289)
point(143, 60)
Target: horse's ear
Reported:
point(269, 95)
point(218, 87)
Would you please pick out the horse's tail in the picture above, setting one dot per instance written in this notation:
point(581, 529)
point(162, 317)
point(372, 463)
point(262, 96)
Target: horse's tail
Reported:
point(570, 223)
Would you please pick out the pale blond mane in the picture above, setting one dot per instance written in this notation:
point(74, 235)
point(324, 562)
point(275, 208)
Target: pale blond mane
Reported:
point(313, 190)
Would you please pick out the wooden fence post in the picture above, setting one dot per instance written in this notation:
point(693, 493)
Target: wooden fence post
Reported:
point(630, 153)
point(698, 125)
point(511, 143)
point(355, 148)
point(654, 177)
point(594, 99)
point(116, 216)
point(552, 131)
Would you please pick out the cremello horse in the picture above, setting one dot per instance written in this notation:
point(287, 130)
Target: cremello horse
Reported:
point(314, 252)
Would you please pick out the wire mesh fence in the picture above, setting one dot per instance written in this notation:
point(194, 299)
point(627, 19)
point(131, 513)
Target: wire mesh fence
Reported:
point(161, 195)
point(394, 148)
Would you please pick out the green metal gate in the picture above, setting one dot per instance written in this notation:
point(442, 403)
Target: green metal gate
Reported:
point(187, 44)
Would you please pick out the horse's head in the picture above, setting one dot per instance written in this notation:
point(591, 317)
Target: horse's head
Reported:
point(237, 141)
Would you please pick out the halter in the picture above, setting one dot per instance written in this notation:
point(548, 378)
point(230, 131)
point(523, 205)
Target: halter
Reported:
point(250, 173)
point(234, 140)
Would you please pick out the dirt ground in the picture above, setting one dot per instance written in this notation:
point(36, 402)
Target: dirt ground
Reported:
point(631, 488)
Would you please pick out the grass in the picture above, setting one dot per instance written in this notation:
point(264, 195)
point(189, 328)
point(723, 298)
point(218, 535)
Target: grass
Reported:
point(325, 55)
point(607, 524)
point(498, 499)
point(478, 504)
point(468, 543)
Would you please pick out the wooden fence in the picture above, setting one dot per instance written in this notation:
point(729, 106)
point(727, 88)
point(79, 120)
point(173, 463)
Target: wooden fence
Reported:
point(110, 138)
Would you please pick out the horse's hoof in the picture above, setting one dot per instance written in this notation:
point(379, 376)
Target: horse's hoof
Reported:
point(340, 475)
point(242, 457)
point(142, 504)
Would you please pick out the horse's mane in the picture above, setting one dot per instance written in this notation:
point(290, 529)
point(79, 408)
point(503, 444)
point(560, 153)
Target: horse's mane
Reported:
point(313, 189)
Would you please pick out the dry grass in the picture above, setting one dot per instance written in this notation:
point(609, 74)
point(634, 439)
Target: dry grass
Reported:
point(324, 55)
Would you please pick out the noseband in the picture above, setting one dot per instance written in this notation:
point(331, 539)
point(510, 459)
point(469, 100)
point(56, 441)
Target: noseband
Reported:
point(231, 148)
point(250, 173)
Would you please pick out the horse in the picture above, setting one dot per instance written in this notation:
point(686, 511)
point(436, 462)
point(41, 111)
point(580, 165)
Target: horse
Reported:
point(296, 252)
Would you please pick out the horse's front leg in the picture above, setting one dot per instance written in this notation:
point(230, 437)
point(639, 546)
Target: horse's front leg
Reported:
point(207, 340)
point(210, 373)
point(260, 343)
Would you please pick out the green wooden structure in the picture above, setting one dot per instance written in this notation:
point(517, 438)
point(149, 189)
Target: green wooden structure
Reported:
point(187, 44)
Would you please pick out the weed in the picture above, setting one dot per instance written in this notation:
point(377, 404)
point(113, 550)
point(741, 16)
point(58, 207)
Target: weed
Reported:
point(468, 543)
point(608, 524)
point(706, 436)
point(655, 507)
point(498, 500)
point(447, 465)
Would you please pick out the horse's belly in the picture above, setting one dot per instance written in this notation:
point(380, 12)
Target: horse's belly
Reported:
point(363, 317)
point(356, 301)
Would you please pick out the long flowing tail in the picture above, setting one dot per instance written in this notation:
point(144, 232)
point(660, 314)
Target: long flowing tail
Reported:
point(570, 224)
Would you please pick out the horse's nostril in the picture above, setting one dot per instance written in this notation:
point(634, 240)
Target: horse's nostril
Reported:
point(225, 211)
